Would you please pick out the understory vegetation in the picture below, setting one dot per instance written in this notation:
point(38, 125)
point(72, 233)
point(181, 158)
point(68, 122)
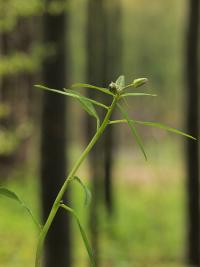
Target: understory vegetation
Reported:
point(149, 221)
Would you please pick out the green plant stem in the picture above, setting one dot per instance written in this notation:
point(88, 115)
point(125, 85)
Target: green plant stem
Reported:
point(70, 177)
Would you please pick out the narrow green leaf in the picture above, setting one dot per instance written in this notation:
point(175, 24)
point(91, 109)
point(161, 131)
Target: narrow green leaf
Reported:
point(117, 121)
point(85, 85)
point(87, 192)
point(87, 106)
point(83, 234)
point(120, 81)
point(81, 97)
point(137, 94)
point(72, 95)
point(50, 89)
point(133, 129)
point(156, 124)
point(12, 195)
point(165, 127)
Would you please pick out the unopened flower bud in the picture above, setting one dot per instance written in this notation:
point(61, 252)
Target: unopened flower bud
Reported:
point(113, 87)
point(139, 82)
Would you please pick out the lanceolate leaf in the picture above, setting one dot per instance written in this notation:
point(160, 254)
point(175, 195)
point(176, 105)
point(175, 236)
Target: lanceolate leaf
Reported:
point(83, 234)
point(72, 95)
point(85, 85)
point(87, 106)
point(138, 94)
point(87, 192)
point(81, 97)
point(133, 129)
point(120, 81)
point(117, 121)
point(165, 127)
point(12, 195)
point(157, 125)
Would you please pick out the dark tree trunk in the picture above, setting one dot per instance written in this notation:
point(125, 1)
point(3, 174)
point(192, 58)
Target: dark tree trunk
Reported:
point(112, 69)
point(53, 142)
point(192, 72)
point(15, 89)
point(103, 47)
point(95, 64)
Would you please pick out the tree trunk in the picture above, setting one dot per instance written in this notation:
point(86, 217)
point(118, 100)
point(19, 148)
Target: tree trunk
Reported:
point(95, 64)
point(193, 128)
point(104, 49)
point(112, 69)
point(53, 142)
point(15, 89)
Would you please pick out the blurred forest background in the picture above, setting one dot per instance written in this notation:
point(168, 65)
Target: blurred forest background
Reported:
point(142, 213)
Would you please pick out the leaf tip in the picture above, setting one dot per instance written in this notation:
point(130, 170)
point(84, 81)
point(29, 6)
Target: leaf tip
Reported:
point(193, 138)
point(37, 85)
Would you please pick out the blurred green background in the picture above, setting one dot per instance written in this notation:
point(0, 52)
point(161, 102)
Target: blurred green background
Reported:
point(149, 225)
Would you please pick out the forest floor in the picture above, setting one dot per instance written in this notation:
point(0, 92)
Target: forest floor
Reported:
point(148, 227)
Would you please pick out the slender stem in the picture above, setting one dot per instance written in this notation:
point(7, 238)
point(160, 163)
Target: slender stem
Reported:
point(69, 178)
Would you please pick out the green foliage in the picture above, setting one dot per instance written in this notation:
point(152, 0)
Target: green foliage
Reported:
point(12, 195)
point(72, 94)
point(164, 127)
point(86, 105)
point(139, 82)
point(15, 61)
point(157, 125)
point(12, 10)
point(87, 192)
point(9, 142)
point(137, 94)
point(101, 89)
point(116, 89)
point(133, 129)
point(4, 110)
point(83, 234)
point(153, 222)
point(20, 62)
point(120, 82)
point(11, 139)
